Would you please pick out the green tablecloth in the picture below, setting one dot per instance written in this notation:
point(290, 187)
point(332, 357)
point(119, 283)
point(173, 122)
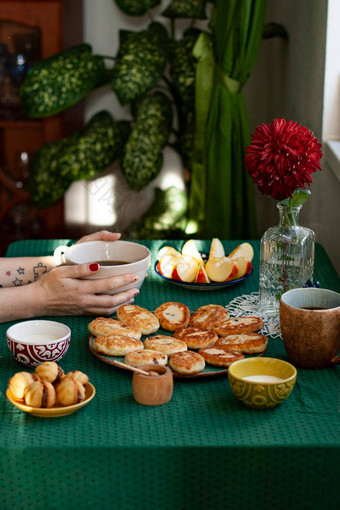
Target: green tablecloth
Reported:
point(203, 449)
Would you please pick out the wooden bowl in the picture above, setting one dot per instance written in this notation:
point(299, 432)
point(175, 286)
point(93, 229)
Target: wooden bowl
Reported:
point(153, 390)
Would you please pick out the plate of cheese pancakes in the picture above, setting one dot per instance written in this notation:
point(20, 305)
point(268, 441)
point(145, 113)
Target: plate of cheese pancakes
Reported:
point(194, 345)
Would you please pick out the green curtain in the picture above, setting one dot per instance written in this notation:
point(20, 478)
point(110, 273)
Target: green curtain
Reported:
point(221, 201)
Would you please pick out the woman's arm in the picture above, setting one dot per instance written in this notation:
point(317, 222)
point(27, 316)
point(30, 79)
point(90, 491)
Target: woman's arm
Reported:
point(62, 292)
point(18, 271)
point(59, 290)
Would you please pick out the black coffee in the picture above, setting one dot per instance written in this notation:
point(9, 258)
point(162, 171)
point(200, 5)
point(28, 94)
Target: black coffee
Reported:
point(112, 262)
point(313, 308)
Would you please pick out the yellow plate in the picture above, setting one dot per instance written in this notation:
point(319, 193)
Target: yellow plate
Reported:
point(53, 412)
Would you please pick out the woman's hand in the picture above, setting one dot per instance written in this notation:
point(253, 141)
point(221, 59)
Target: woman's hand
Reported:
point(62, 292)
point(102, 235)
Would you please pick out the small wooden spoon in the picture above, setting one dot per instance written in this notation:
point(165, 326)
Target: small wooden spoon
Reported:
point(133, 369)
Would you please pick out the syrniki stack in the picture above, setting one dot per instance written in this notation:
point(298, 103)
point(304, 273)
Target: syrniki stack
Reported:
point(145, 357)
point(196, 338)
point(187, 362)
point(103, 326)
point(172, 315)
point(247, 343)
point(209, 316)
point(220, 356)
point(164, 343)
point(116, 345)
point(139, 318)
point(238, 325)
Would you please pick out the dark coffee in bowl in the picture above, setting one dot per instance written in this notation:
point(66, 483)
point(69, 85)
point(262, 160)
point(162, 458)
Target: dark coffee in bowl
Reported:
point(112, 262)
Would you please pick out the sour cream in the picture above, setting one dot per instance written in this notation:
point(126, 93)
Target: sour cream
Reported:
point(263, 379)
point(39, 339)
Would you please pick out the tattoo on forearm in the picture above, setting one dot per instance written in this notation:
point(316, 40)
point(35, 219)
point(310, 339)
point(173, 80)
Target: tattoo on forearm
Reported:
point(39, 270)
point(17, 282)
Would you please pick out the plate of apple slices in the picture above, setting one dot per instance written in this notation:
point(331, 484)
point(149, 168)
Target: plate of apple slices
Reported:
point(196, 270)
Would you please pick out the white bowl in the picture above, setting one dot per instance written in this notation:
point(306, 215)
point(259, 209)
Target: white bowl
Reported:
point(126, 257)
point(36, 341)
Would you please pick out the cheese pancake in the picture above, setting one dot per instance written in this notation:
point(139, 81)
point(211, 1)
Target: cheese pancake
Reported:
point(239, 325)
point(247, 343)
point(139, 318)
point(208, 316)
point(187, 362)
point(196, 338)
point(116, 345)
point(103, 326)
point(220, 356)
point(166, 344)
point(172, 315)
point(145, 357)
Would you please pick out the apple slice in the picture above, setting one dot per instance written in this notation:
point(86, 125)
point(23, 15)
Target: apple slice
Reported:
point(187, 268)
point(216, 248)
point(174, 274)
point(167, 264)
point(190, 249)
point(218, 269)
point(202, 276)
point(233, 272)
point(167, 250)
point(249, 267)
point(241, 268)
point(243, 250)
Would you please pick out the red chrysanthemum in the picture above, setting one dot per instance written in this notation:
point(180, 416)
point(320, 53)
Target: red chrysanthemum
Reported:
point(282, 157)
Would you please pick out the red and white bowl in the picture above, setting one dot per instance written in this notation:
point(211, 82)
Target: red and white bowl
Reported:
point(33, 342)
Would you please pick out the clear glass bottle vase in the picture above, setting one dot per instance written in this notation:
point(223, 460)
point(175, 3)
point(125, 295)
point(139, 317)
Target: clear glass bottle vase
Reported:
point(286, 258)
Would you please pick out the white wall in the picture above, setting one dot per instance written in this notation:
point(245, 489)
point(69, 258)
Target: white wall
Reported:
point(288, 81)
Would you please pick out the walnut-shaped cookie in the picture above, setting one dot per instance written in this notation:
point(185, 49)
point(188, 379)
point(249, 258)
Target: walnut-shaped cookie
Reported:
point(70, 391)
point(77, 375)
point(40, 394)
point(49, 371)
point(19, 383)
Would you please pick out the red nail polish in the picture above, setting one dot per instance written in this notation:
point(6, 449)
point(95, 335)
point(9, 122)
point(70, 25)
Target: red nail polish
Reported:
point(94, 266)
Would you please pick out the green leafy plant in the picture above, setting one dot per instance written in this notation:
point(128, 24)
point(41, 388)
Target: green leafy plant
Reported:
point(154, 73)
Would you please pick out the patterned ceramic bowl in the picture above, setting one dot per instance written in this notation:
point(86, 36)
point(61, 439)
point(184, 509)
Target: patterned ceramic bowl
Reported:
point(32, 342)
point(261, 383)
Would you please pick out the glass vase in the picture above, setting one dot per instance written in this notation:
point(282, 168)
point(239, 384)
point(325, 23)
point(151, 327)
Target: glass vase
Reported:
point(286, 258)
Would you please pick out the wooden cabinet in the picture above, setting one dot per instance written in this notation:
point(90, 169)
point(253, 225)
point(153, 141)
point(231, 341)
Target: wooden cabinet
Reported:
point(20, 137)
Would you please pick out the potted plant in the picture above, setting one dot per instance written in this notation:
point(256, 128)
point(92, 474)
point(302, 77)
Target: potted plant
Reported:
point(154, 73)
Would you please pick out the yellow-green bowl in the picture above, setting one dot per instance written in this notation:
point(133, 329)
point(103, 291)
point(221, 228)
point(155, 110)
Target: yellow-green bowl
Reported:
point(261, 394)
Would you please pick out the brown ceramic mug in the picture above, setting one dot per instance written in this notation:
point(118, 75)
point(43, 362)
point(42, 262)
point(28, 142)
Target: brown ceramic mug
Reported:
point(310, 326)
